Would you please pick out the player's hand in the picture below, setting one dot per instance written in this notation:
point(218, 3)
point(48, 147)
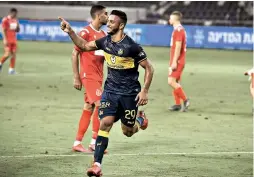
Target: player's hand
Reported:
point(5, 42)
point(174, 66)
point(65, 26)
point(142, 98)
point(77, 83)
point(170, 70)
point(18, 28)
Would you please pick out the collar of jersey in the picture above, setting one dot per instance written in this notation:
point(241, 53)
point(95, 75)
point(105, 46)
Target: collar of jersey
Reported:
point(180, 25)
point(94, 28)
point(120, 40)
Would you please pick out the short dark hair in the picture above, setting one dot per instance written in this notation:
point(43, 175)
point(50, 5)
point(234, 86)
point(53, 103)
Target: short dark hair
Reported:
point(178, 13)
point(95, 9)
point(122, 15)
point(13, 10)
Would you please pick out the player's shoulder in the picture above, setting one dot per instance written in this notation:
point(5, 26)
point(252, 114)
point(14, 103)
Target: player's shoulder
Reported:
point(84, 31)
point(134, 47)
point(179, 28)
point(5, 19)
point(128, 39)
point(131, 42)
point(128, 42)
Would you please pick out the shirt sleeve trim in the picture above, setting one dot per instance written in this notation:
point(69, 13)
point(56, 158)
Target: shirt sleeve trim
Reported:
point(95, 44)
point(142, 60)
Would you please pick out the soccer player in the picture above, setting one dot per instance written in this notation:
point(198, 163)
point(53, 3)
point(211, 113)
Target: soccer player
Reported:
point(250, 73)
point(122, 91)
point(177, 62)
point(10, 26)
point(90, 76)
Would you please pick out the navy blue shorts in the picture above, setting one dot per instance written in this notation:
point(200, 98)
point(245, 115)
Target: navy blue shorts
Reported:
point(120, 106)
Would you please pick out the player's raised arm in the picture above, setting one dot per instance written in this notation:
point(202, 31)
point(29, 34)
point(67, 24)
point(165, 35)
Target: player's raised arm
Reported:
point(78, 41)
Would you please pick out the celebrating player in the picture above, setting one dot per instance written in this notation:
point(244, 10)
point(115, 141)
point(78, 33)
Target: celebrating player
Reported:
point(90, 76)
point(177, 61)
point(250, 73)
point(122, 91)
point(10, 26)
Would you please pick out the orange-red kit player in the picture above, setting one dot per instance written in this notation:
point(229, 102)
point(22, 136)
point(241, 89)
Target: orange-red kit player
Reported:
point(177, 62)
point(10, 26)
point(250, 73)
point(90, 76)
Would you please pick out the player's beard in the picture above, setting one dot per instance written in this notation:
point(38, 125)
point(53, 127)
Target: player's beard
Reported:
point(113, 31)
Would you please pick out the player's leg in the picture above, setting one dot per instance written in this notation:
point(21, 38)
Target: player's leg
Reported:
point(252, 90)
point(82, 128)
point(95, 125)
point(131, 119)
point(94, 94)
point(177, 106)
point(13, 49)
point(84, 121)
point(252, 85)
point(5, 56)
point(101, 145)
point(107, 113)
point(178, 92)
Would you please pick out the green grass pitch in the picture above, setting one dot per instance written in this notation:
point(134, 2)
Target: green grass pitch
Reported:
point(40, 110)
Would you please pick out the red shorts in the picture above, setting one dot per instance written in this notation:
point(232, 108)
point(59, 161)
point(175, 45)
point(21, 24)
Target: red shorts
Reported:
point(177, 73)
point(93, 90)
point(11, 47)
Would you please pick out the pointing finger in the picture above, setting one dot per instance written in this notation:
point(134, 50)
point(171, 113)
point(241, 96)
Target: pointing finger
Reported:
point(61, 19)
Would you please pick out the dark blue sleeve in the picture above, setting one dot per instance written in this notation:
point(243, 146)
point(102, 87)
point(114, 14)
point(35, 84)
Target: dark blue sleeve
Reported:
point(138, 53)
point(100, 43)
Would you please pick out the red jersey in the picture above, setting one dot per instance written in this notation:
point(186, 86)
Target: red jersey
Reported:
point(178, 34)
point(10, 25)
point(91, 63)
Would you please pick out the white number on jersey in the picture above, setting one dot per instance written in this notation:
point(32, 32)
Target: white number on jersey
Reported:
point(13, 26)
point(98, 53)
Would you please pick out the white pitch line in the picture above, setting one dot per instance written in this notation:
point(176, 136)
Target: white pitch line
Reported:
point(137, 154)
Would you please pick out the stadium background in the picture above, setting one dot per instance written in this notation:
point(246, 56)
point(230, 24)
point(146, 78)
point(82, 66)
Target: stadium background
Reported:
point(39, 109)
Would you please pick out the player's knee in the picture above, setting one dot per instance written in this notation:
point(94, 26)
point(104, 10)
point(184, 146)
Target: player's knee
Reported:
point(106, 123)
point(88, 107)
point(7, 54)
point(127, 133)
point(252, 91)
point(171, 81)
point(13, 54)
point(97, 103)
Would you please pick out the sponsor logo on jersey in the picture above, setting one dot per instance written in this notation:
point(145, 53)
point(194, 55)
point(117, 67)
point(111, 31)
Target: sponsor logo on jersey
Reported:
point(98, 92)
point(120, 51)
